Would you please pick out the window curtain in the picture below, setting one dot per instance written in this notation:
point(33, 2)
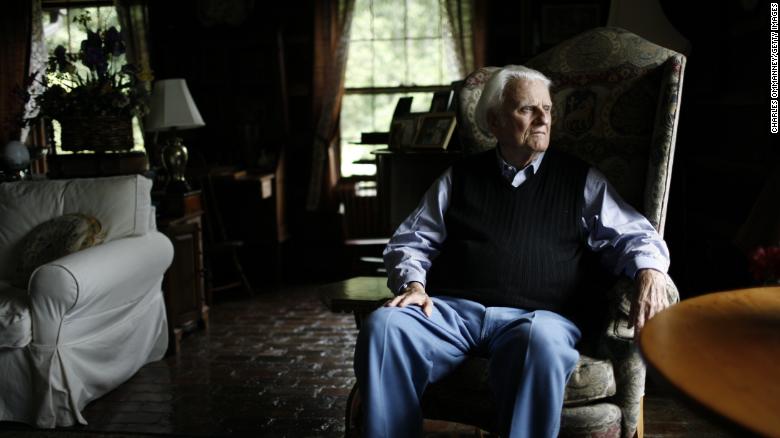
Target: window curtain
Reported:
point(464, 18)
point(15, 31)
point(134, 20)
point(332, 22)
point(35, 135)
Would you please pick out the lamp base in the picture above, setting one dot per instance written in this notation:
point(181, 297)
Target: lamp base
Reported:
point(177, 186)
point(174, 158)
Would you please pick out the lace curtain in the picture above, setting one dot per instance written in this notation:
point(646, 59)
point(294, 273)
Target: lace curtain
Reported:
point(460, 14)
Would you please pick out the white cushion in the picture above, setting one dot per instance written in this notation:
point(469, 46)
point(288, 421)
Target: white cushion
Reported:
point(24, 205)
point(122, 204)
point(15, 325)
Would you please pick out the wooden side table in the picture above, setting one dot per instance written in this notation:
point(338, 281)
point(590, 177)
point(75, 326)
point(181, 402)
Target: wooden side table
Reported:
point(722, 351)
point(183, 285)
point(359, 295)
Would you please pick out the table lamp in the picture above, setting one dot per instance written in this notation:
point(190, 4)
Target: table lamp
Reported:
point(172, 109)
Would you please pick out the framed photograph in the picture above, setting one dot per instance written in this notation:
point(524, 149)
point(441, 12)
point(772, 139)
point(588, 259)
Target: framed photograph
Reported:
point(403, 107)
point(441, 101)
point(435, 130)
point(402, 132)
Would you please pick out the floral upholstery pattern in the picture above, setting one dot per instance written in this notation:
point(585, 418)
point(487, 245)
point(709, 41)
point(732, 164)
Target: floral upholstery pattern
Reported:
point(473, 138)
point(600, 420)
point(616, 105)
point(54, 239)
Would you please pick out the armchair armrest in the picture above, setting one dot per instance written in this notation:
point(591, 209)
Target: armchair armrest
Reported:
point(617, 343)
point(94, 281)
point(620, 306)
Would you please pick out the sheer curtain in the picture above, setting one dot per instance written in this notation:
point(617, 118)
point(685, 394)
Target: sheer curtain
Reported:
point(332, 22)
point(465, 19)
point(134, 21)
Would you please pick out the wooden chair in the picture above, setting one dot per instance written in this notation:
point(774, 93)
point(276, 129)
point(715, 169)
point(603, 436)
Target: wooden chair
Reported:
point(224, 270)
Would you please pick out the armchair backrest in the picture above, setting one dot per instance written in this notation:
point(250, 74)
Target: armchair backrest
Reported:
point(616, 99)
point(122, 204)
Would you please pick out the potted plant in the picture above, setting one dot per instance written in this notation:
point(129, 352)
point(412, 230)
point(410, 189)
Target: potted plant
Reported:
point(93, 94)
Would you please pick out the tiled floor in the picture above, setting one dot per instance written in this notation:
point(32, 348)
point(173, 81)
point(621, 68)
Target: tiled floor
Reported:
point(277, 365)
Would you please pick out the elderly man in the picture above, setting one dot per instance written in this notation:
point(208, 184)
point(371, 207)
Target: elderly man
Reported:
point(490, 264)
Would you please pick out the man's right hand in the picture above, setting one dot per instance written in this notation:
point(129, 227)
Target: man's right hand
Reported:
point(414, 294)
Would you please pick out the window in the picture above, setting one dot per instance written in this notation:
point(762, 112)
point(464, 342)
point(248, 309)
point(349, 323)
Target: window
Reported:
point(397, 48)
point(59, 28)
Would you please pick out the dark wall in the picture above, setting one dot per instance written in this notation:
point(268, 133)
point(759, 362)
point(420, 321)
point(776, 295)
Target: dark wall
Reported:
point(724, 152)
point(249, 68)
point(724, 155)
point(518, 30)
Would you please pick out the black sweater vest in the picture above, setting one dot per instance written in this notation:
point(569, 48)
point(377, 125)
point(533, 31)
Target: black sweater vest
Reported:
point(517, 247)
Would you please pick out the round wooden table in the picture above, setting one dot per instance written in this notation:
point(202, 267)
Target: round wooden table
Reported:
point(723, 351)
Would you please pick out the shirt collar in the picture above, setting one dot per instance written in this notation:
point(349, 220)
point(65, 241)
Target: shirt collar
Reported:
point(509, 172)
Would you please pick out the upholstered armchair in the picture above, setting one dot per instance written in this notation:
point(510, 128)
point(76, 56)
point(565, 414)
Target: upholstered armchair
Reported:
point(81, 306)
point(616, 102)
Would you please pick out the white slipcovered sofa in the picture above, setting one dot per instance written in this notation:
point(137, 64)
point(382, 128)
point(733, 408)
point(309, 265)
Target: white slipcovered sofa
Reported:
point(89, 320)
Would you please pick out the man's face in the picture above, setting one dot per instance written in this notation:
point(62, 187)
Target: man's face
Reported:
point(522, 123)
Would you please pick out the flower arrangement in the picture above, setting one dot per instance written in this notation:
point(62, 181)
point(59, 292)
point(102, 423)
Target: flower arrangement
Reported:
point(765, 264)
point(91, 83)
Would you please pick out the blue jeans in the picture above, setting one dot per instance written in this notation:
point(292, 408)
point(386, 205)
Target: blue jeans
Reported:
point(399, 352)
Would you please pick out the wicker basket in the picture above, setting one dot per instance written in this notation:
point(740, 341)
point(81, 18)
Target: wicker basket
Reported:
point(103, 133)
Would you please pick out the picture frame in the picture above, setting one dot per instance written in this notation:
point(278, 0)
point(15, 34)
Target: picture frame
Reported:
point(435, 130)
point(440, 101)
point(403, 107)
point(403, 130)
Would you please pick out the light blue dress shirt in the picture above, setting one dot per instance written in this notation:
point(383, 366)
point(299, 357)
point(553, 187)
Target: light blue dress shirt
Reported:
point(625, 240)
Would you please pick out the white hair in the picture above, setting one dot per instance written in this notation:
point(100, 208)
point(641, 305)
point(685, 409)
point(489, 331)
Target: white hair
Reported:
point(493, 93)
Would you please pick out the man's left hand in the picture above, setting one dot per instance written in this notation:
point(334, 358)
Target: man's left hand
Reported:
point(649, 297)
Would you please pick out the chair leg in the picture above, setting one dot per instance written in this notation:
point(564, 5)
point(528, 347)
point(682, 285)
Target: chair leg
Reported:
point(242, 277)
point(640, 425)
point(353, 418)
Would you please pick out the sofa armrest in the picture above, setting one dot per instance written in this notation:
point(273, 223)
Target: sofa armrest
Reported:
point(95, 280)
point(617, 343)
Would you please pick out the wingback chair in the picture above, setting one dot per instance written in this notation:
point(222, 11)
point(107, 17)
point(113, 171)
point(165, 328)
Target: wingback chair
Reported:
point(616, 102)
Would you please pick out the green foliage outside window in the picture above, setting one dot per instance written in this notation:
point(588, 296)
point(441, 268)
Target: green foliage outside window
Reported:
point(393, 44)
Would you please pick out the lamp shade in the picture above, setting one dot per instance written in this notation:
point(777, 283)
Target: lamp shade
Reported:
point(172, 107)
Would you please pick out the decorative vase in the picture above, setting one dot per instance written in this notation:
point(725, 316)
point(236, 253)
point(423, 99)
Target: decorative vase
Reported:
point(99, 134)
